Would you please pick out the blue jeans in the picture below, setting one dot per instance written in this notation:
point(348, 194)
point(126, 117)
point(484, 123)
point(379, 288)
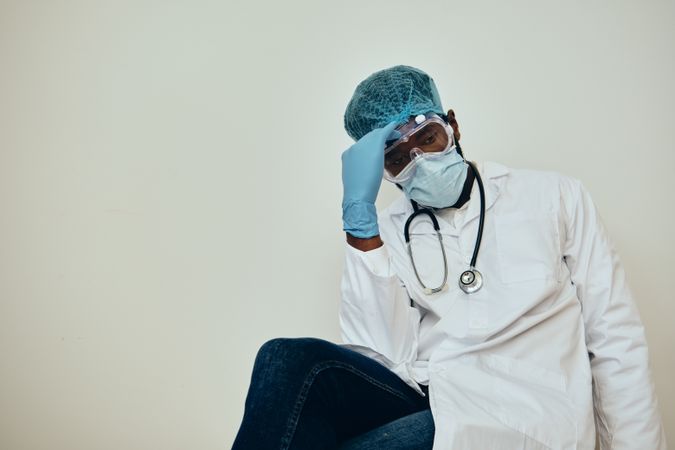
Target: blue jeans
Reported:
point(308, 393)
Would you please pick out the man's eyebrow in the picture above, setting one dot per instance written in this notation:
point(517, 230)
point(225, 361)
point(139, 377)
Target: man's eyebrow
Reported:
point(427, 132)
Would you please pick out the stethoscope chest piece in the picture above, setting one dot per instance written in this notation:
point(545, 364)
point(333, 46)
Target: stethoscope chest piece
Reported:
point(470, 281)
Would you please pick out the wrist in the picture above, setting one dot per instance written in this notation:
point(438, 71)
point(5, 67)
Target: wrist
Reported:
point(364, 244)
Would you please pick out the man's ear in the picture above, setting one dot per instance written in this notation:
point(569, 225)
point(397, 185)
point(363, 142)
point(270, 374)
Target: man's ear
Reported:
point(452, 121)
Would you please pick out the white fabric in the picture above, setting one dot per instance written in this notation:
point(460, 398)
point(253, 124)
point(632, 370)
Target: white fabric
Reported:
point(511, 366)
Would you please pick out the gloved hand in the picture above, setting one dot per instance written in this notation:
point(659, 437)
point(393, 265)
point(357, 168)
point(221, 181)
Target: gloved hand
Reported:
point(362, 170)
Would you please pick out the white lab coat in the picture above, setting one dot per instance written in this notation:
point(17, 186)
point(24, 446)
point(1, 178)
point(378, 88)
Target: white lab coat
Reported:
point(549, 350)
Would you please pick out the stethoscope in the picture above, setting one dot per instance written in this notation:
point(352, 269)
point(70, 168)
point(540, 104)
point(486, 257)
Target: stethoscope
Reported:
point(470, 280)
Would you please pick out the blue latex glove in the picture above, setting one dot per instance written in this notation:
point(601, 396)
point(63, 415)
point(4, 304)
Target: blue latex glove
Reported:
point(362, 171)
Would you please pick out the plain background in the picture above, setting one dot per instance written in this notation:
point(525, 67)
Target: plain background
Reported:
point(170, 183)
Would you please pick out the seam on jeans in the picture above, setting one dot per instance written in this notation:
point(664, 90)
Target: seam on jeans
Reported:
point(302, 396)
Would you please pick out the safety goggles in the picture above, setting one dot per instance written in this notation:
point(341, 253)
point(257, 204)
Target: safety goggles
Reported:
point(427, 137)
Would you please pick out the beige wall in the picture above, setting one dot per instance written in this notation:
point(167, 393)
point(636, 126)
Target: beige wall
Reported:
point(170, 183)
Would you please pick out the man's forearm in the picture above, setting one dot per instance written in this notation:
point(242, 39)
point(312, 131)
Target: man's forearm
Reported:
point(364, 244)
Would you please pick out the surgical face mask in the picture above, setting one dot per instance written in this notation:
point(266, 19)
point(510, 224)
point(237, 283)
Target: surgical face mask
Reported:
point(437, 182)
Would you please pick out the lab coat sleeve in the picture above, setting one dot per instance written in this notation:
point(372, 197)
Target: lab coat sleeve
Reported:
point(626, 412)
point(376, 318)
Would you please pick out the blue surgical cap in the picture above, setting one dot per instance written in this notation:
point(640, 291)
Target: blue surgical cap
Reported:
point(391, 94)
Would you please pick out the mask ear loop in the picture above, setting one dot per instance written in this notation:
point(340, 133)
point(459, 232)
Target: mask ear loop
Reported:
point(459, 147)
point(459, 150)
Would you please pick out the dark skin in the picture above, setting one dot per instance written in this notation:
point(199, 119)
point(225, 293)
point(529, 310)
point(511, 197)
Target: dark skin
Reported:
point(376, 242)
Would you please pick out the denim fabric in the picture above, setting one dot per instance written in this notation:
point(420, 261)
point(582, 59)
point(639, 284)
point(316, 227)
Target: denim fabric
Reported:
point(308, 393)
point(411, 432)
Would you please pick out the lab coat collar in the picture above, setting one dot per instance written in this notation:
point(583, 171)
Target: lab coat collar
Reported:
point(490, 173)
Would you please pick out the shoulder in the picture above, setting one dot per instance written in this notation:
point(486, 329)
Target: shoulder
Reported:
point(544, 177)
point(542, 183)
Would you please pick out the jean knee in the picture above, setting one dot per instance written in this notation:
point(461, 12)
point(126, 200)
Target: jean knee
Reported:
point(291, 354)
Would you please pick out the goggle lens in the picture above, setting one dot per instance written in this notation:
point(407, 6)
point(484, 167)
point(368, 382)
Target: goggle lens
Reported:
point(430, 137)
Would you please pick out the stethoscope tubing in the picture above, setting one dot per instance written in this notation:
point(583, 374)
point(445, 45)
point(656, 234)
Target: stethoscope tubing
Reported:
point(474, 274)
point(481, 219)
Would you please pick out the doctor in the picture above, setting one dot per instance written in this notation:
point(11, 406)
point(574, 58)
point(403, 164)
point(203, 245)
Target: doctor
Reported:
point(545, 351)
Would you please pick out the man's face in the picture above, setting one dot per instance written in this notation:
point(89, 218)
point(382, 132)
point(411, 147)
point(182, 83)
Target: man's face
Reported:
point(420, 135)
point(432, 135)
